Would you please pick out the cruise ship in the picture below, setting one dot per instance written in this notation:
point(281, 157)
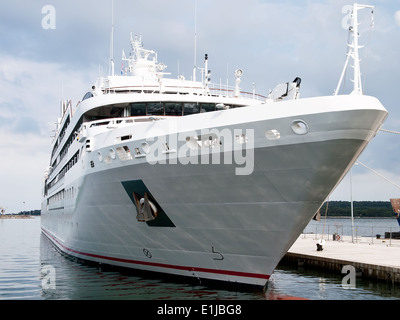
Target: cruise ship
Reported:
point(188, 178)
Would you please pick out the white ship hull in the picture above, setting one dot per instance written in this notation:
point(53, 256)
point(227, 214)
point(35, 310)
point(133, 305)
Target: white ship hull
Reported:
point(230, 221)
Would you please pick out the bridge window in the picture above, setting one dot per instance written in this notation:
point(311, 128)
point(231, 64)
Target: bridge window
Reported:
point(138, 109)
point(155, 109)
point(190, 108)
point(207, 107)
point(173, 109)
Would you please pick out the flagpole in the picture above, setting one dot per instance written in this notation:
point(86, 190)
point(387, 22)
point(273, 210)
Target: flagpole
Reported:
point(352, 209)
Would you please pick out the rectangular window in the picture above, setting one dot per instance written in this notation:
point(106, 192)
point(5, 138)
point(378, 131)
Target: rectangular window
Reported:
point(207, 107)
point(173, 109)
point(138, 109)
point(124, 153)
point(128, 137)
point(155, 109)
point(190, 108)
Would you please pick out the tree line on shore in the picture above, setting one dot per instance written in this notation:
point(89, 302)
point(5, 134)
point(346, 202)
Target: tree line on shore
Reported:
point(27, 213)
point(362, 209)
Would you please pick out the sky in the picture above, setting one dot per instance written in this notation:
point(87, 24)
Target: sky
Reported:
point(52, 50)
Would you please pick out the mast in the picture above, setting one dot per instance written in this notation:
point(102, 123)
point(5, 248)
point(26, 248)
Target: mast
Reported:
point(111, 66)
point(356, 67)
point(354, 52)
point(195, 41)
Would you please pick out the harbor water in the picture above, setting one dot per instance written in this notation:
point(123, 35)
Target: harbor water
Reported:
point(32, 269)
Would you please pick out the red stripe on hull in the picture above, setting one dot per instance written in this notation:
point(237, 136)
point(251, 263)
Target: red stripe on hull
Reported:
point(162, 265)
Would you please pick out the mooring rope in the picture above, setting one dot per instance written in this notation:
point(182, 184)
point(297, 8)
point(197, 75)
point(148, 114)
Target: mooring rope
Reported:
point(378, 174)
point(389, 131)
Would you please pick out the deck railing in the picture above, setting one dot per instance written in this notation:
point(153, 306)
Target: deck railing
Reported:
point(362, 234)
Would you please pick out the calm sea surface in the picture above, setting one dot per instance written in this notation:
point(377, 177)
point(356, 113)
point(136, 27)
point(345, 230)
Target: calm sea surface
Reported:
point(26, 255)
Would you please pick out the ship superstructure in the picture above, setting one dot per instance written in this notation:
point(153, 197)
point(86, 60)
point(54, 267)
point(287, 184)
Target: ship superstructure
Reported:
point(189, 178)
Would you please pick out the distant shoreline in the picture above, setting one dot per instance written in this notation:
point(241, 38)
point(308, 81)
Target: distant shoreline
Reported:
point(11, 216)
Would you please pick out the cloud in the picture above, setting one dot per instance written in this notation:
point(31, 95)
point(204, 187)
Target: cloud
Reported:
point(25, 125)
point(30, 94)
point(24, 159)
point(397, 17)
point(34, 89)
point(365, 185)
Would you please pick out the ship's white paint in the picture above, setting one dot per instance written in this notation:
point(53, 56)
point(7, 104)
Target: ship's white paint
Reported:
point(235, 186)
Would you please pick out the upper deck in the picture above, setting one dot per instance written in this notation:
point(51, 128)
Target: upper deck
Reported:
point(143, 90)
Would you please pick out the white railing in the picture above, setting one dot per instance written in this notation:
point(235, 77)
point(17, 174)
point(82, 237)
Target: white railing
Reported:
point(212, 90)
point(362, 234)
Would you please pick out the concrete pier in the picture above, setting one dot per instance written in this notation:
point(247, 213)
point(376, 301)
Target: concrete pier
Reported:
point(372, 258)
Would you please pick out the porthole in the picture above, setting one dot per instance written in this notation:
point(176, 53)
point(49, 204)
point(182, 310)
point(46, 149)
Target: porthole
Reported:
point(146, 147)
point(272, 134)
point(299, 127)
point(100, 156)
